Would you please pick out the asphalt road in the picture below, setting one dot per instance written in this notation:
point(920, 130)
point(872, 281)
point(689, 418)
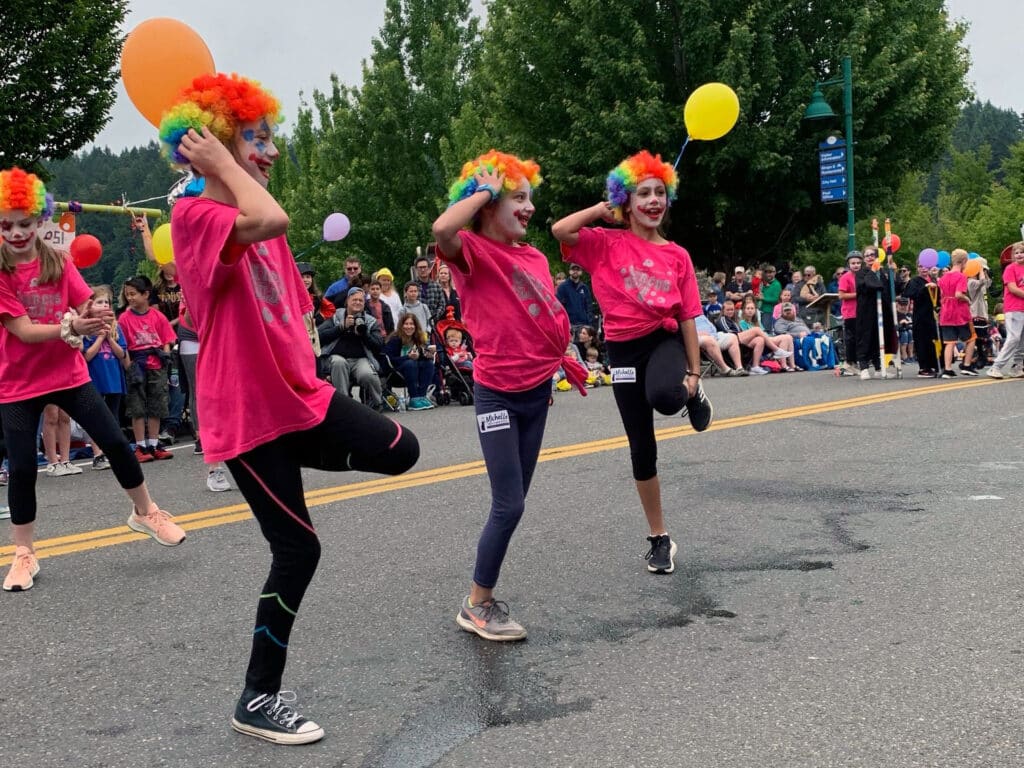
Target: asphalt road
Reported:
point(847, 594)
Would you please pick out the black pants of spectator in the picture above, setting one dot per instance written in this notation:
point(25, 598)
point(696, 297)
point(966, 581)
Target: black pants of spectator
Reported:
point(21, 425)
point(654, 383)
point(511, 428)
point(351, 437)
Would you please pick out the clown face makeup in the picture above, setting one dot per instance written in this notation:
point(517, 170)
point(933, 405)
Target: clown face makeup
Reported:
point(648, 204)
point(254, 149)
point(511, 215)
point(20, 231)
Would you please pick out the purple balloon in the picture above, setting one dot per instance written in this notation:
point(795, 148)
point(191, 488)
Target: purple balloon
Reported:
point(928, 258)
point(336, 227)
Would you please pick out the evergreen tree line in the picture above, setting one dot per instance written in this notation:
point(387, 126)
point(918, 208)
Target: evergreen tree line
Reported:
point(578, 86)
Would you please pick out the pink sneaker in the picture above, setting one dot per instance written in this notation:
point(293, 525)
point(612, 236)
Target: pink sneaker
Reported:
point(157, 524)
point(24, 568)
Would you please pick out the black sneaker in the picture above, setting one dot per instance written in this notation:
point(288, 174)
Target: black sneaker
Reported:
point(699, 409)
point(197, 449)
point(968, 370)
point(101, 462)
point(660, 558)
point(270, 716)
point(948, 374)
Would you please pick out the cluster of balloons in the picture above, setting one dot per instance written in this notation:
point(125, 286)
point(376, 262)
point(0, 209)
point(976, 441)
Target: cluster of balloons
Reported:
point(159, 59)
point(929, 258)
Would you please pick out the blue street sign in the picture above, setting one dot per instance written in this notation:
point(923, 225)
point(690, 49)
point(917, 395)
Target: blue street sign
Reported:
point(830, 169)
point(832, 156)
point(830, 182)
point(836, 195)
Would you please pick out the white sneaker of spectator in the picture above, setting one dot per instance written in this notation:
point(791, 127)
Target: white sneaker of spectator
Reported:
point(781, 354)
point(757, 370)
point(865, 374)
point(71, 469)
point(217, 482)
point(57, 469)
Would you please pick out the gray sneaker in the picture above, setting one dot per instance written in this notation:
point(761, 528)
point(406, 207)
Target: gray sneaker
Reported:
point(489, 620)
point(5, 512)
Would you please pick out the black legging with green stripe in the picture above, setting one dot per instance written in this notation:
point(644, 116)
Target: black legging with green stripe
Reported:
point(351, 437)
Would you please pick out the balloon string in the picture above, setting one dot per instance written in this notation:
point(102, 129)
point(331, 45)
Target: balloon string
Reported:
point(315, 245)
point(679, 157)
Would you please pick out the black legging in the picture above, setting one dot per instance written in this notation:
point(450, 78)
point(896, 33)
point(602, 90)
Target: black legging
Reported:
point(21, 424)
point(351, 437)
point(659, 362)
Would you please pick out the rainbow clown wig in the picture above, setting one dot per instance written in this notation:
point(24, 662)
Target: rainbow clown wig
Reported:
point(627, 176)
point(515, 171)
point(220, 103)
point(20, 191)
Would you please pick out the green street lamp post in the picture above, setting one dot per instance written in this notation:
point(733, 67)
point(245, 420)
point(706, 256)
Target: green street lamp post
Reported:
point(819, 109)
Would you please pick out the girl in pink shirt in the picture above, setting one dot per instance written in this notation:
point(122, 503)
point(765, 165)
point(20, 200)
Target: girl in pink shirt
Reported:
point(265, 412)
point(520, 331)
point(647, 289)
point(45, 310)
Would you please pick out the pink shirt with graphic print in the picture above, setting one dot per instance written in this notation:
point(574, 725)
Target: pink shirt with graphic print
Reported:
point(1013, 274)
point(256, 371)
point(520, 330)
point(149, 330)
point(29, 370)
point(638, 284)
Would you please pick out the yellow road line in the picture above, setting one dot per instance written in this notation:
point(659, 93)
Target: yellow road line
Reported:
point(192, 521)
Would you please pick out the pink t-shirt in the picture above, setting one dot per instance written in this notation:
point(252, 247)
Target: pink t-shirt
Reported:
point(29, 370)
point(520, 329)
point(150, 330)
point(848, 284)
point(638, 284)
point(256, 372)
point(1014, 273)
point(953, 311)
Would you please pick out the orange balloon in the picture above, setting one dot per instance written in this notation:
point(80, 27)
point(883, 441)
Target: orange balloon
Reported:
point(160, 58)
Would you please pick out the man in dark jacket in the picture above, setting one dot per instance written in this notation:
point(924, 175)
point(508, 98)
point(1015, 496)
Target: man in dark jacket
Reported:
point(577, 298)
point(350, 343)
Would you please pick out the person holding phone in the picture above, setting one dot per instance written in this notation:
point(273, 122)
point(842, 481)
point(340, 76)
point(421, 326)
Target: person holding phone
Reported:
point(413, 358)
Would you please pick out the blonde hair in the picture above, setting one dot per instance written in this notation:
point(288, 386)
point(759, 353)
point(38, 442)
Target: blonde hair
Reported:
point(958, 256)
point(108, 293)
point(51, 262)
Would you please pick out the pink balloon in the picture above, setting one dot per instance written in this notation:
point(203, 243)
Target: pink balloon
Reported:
point(336, 227)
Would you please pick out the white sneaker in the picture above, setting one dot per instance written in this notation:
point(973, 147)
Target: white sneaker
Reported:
point(5, 512)
point(995, 373)
point(865, 375)
point(71, 469)
point(217, 482)
point(757, 370)
point(56, 469)
point(781, 354)
point(1016, 373)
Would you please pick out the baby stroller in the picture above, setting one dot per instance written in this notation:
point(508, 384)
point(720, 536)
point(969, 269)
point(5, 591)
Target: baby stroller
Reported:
point(456, 376)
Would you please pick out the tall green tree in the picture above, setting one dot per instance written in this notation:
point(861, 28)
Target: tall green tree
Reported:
point(58, 68)
point(579, 85)
point(374, 152)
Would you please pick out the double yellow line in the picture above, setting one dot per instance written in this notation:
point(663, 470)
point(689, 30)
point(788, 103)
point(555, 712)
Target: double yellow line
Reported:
point(108, 537)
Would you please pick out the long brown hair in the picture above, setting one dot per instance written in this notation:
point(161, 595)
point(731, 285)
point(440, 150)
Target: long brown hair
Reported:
point(418, 338)
point(51, 262)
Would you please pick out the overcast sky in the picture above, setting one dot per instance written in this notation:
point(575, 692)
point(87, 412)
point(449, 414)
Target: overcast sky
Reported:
point(295, 47)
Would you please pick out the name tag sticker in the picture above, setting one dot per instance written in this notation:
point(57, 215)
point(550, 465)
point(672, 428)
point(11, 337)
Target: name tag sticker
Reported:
point(493, 422)
point(623, 375)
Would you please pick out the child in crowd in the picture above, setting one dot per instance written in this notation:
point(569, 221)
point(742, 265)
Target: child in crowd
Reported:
point(264, 410)
point(520, 330)
point(904, 325)
point(648, 290)
point(107, 356)
point(457, 350)
point(45, 310)
point(413, 306)
point(596, 374)
point(56, 432)
point(955, 315)
point(560, 381)
point(149, 336)
point(1013, 316)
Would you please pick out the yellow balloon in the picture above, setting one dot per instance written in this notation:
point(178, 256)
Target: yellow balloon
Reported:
point(711, 111)
point(163, 251)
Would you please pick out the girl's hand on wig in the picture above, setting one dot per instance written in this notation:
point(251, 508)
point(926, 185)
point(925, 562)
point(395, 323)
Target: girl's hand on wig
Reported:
point(205, 153)
point(493, 179)
point(605, 210)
